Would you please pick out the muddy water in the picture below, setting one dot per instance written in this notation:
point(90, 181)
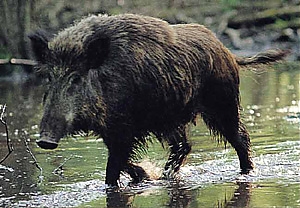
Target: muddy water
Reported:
point(73, 174)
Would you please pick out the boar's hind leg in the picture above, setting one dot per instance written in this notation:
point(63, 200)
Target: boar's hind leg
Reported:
point(179, 149)
point(226, 122)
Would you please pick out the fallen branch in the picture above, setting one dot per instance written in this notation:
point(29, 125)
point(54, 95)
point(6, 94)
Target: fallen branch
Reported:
point(16, 61)
point(8, 141)
point(4, 61)
point(35, 162)
point(264, 17)
point(22, 62)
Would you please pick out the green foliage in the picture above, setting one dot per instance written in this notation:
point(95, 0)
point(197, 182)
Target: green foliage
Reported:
point(288, 66)
point(281, 24)
point(230, 4)
point(4, 53)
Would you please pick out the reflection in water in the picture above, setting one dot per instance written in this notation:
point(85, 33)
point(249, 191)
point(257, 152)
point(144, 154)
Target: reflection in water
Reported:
point(119, 199)
point(271, 101)
point(16, 174)
point(22, 110)
point(241, 196)
point(183, 197)
point(180, 197)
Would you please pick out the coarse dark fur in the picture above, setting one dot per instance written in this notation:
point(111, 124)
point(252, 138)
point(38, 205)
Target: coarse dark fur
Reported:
point(126, 76)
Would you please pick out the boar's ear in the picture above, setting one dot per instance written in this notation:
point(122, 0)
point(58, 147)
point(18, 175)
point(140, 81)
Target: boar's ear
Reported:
point(39, 44)
point(96, 50)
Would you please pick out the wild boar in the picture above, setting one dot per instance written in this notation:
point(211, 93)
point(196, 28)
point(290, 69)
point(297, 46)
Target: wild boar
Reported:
point(127, 76)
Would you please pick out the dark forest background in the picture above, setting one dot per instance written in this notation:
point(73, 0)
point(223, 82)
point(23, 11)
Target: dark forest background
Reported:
point(249, 25)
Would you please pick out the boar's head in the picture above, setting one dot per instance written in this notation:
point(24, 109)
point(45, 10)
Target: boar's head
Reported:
point(73, 100)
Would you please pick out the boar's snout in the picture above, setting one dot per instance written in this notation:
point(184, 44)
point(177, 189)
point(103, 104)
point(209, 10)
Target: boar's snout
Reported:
point(47, 142)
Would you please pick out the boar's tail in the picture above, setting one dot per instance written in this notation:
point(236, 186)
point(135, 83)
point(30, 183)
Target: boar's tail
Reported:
point(266, 57)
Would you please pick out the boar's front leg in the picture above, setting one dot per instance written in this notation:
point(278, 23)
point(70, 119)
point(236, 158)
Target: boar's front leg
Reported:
point(119, 154)
point(112, 171)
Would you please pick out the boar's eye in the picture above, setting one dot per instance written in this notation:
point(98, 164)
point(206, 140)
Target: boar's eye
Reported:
point(48, 79)
point(73, 81)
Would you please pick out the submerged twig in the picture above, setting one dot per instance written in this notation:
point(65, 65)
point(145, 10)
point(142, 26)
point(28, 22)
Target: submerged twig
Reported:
point(8, 141)
point(35, 162)
point(59, 170)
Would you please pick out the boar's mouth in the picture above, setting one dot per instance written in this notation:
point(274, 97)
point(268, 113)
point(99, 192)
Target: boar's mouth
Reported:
point(47, 142)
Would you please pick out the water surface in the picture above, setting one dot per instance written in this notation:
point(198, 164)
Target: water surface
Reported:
point(73, 175)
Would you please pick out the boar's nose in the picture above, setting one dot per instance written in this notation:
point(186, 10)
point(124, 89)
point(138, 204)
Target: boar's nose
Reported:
point(46, 144)
point(47, 141)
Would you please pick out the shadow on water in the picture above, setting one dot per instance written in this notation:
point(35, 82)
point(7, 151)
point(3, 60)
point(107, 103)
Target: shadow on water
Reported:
point(73, 175)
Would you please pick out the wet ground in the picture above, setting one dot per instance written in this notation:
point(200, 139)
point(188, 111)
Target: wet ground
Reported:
point(73, 174)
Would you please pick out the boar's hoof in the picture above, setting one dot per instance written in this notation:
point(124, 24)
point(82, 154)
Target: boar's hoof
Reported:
point(46, 144)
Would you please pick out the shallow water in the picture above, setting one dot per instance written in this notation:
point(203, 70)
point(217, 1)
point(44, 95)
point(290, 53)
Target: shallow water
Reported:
point(73, 175)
